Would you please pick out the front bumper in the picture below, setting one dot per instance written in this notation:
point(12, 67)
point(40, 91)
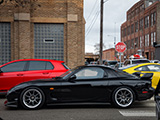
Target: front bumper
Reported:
point(11, 104)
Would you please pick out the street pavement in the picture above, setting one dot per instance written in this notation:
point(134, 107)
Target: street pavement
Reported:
point(144, 110)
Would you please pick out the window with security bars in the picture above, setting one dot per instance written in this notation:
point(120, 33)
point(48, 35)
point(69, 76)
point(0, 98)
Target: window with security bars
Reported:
point(5, 43)
point(49, 41)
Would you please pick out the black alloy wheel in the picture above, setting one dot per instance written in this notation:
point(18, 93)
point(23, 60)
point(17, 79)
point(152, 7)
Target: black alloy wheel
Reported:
point(123, 97)
point(32, 98)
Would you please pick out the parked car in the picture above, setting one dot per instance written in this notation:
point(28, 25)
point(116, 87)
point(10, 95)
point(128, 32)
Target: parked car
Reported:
point(157, 100)
point(110, 63)
point(141, 69)
point(19, 71)
point(154, 61)
point(84, 84)
point(135, 61)
point(93, 63)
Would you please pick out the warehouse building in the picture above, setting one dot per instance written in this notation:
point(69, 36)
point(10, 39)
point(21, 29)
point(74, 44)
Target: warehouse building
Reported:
point(42, 29)
point(141, 31)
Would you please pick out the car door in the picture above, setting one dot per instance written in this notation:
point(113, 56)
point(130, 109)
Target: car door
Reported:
point(155, 69)
point(38, 70)
point(88, 85)
point(11, 75)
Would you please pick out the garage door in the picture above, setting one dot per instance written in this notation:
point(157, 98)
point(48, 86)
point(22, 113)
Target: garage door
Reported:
point(49, 41)
point(5, 43)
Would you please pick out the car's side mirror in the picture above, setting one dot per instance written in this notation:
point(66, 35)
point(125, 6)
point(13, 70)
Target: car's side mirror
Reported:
point(137, 74)
point(72, 78)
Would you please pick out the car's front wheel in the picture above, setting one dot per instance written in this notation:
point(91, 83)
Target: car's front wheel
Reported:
point(32, 98)
point(123, 97)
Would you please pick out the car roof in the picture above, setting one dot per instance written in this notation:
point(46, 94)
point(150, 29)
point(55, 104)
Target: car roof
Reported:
point(141, 64)
point(32, 60)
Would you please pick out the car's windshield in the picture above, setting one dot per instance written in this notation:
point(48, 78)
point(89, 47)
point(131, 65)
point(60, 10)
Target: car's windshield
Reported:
point(112, 62)
point(140, 61)
point(129, 66)
point(65, 75)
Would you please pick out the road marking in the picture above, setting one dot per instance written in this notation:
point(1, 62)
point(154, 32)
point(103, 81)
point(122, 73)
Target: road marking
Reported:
point(132, 113)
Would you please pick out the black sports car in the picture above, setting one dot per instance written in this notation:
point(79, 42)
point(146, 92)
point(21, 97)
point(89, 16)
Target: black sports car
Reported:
point(84, 84)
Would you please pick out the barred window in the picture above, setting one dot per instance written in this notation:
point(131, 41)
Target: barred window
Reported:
point(49, 41)
point(5, 43)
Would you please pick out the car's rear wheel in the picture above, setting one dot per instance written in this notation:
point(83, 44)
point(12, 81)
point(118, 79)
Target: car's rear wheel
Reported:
point(123, 97)
point(32, 98)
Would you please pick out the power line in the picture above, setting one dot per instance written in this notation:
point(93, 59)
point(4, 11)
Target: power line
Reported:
point(94, 6)
point(92, 24)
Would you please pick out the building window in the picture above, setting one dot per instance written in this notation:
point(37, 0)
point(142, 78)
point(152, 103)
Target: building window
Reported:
point(150, 3)
point(132, 28)
point(132, 44)
point(5, 43)
point(153, 18)
point(136, 43)
point(153, 38)
point(147, 40)
point(129, 16)
point(141, 24)
point(128, 28)
point(146, 21)
point(141, 41)
point(136, 27)
point(137, 11)
point(152, 55)
point(49, 41)
point(128, 45)
point(142, 8)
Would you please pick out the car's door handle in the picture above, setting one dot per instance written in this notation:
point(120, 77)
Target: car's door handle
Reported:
point(19, 74)
point(46, 73)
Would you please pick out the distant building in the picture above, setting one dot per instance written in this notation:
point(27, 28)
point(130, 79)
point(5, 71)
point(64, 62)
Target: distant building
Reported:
point(141, 31)
point(43, 29)
point(91, 57)
point(109, 54)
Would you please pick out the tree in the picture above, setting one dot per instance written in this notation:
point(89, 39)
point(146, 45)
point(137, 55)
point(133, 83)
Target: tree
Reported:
point(97, 48)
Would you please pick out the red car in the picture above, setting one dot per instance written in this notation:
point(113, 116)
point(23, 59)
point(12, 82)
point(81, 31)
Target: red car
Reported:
point(18, 71)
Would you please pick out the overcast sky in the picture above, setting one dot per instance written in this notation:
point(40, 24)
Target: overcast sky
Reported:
point(114, 16)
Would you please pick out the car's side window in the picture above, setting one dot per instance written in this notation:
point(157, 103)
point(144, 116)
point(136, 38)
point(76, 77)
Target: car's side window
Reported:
point(111, 73)
point(40, 65)
point(155, 68)
point(49, 66)
point(14, 67)
point(143, 68)
point(90, 73)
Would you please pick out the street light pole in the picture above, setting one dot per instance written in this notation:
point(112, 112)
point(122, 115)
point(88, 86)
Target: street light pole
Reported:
point(101, 33)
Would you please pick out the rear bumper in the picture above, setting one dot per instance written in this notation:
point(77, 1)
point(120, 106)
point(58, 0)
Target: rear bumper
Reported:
point(147, 95)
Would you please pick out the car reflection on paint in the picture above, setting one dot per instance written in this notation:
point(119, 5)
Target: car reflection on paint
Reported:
point(84, 84)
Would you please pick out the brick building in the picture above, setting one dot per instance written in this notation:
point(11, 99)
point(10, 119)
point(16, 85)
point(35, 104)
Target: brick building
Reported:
point(109, 54)
point(47, 29)
point(141, 31)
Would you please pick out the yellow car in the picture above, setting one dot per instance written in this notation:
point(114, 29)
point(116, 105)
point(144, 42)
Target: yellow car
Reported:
point(145, 68)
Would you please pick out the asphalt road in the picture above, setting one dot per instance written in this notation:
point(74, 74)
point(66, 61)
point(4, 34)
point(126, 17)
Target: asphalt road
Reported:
point(139, 111)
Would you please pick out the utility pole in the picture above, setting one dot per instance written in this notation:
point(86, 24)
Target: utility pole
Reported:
point(101, 34)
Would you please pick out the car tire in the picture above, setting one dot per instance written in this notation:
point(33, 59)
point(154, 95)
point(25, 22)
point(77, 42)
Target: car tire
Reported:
point(32, 98)
point(123, 97)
